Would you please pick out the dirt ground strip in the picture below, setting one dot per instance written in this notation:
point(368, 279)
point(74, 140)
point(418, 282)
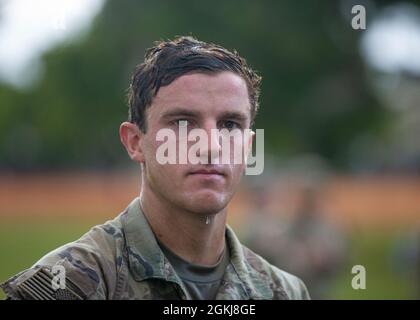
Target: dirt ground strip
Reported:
point(347, 200)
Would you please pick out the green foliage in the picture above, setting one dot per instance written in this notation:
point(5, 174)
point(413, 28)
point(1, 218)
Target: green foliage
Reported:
point(314, 96)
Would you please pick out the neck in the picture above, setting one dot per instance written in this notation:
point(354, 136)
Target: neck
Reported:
point(195, 237)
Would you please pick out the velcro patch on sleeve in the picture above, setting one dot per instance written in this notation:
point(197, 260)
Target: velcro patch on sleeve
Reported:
point(39, 286)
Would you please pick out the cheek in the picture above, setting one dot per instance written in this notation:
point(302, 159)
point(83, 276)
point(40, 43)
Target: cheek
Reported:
point(149, 148)
point(162, 174)
point(237, 172)
point(238, 152)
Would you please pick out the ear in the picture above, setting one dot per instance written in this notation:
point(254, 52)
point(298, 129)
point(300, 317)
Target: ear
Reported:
point(131, 137)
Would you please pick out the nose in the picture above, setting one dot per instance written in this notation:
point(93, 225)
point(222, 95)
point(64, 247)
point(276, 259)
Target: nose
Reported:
point(211, 152)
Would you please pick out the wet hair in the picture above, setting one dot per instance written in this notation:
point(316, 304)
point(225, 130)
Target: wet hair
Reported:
point(169, 60)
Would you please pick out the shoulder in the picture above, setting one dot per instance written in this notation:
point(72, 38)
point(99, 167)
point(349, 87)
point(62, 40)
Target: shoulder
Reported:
point(88, 267)
point(281, 282)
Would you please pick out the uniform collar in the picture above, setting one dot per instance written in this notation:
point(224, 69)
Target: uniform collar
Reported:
point(146, 259)
point(254, 280)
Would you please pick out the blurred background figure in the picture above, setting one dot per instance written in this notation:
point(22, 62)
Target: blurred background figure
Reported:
point(314, 246)
point(264, 228)
point(307, 243)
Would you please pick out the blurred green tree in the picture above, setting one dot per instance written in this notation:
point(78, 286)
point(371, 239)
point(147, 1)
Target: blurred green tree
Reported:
point(314, 96)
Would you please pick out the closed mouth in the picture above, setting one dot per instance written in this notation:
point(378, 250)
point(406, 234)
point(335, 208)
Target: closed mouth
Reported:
point(208, 172)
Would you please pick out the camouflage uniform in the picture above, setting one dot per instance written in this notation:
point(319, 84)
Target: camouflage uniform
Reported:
point(122, 260)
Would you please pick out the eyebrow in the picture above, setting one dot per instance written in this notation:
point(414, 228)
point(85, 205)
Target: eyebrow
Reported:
point(234, 115)
point(181, 112)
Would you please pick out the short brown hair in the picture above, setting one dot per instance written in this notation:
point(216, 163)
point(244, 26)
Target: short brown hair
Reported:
point(168, 60)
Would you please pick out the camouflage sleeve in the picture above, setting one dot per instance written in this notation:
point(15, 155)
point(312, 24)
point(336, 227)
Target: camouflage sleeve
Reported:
point(83, 269)
point(294, 287)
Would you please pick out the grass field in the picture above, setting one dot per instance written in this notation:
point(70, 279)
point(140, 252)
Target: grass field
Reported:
point(23, 242)
point(373, 249)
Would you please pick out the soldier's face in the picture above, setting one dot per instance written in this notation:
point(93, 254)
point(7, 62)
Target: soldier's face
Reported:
point(205, 101)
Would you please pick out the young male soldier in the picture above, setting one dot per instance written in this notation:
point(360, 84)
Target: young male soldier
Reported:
point(172, 242)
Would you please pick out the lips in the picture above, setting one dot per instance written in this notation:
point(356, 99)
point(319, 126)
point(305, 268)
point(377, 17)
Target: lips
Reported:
point(208, 171)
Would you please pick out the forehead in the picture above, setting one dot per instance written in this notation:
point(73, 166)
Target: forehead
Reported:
point(205, 93)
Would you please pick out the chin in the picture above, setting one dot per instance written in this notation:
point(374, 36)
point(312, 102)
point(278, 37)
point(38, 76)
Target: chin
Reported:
point(207, 202)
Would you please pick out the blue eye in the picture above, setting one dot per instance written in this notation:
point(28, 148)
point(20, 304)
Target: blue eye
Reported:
point(230, 125)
